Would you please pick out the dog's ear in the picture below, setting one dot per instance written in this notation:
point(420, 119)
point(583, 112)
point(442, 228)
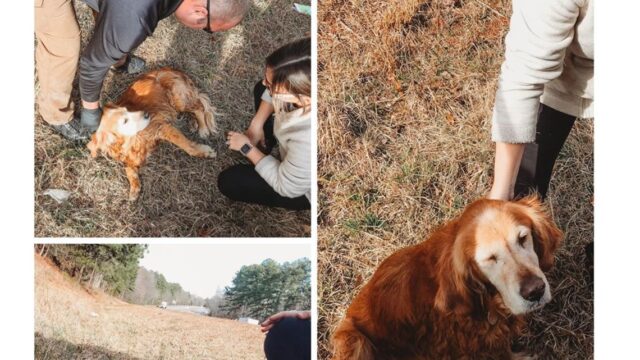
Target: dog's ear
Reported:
point(459, 290)
point(547, 237)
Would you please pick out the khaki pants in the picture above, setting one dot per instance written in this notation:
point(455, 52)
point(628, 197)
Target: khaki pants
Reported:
point(57, 53)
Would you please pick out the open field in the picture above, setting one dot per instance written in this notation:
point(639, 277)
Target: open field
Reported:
point(179, 195)
point(406, 90)
point(72, 322)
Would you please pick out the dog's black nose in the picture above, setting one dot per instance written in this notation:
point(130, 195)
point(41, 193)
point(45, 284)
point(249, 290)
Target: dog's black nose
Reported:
point(532, 288)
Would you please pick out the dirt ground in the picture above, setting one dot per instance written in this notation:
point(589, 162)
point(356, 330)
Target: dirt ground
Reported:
point(406, 90)
point(179, 196)
point(74, 323)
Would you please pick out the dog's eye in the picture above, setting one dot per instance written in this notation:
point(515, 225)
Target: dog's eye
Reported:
point(522, 240)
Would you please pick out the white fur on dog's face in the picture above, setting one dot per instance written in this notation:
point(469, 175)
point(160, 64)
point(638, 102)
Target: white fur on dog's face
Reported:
point(505, 255)
point(123, 122)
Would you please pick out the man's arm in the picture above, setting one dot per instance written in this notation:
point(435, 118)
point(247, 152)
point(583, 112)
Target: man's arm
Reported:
point(117, 32)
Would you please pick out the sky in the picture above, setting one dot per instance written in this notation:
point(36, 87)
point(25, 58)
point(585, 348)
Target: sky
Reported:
point(201, 269)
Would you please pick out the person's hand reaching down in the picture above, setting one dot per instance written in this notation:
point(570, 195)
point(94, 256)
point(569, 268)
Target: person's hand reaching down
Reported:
point(273, 319)
point(236, 140)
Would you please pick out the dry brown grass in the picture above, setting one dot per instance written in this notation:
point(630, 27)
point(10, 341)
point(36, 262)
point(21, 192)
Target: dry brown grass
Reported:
point(405, 96)
point(74, 323)
point(179, 196)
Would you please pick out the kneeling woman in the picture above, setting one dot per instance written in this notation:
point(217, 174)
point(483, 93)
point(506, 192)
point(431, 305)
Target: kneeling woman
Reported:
point(283, 117)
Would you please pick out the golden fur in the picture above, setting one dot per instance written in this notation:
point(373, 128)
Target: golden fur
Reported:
point(132, 127)
point(433, 300)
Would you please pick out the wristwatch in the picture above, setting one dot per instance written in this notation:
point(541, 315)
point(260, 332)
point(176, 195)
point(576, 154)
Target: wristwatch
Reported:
point(245, 149)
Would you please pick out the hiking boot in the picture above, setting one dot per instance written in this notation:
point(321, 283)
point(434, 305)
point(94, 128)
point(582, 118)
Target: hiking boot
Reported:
point(72, 130)
point(133, 65)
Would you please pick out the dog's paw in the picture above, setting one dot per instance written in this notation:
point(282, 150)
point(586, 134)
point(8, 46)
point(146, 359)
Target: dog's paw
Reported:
point(134, 194)
point(207, 151)
point(204, 132)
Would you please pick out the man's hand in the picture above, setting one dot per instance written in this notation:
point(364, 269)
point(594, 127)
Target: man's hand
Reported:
point(273, 319)
point(256, 135)
point(235, 140)
point(90, 118)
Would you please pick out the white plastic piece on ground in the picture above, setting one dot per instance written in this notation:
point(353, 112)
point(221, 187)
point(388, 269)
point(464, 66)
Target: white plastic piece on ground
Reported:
point(59, 195)
point(248, 320)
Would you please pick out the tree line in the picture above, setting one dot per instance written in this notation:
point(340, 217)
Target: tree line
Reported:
point(257, 290)
point(261, 290)
point(111, 267)
point(152, 287)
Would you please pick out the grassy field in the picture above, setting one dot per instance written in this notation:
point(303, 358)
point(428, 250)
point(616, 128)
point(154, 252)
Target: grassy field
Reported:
point(179, 196)
point(406, 90)
point(74, 323)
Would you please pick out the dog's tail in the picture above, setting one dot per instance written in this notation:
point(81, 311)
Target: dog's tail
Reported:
point(349, 343)
point(208, 112)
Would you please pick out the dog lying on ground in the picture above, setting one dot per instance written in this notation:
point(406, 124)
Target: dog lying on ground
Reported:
point(461, 294)
point(132, 127)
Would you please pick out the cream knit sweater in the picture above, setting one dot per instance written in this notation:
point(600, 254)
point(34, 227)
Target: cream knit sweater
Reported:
point(548, 59)
point(289, 176)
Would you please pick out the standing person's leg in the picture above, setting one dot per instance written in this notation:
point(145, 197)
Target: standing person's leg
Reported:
point(243, 183)
point(539, 158)
point(270, 139)
point(57, 53)
point(290, 338)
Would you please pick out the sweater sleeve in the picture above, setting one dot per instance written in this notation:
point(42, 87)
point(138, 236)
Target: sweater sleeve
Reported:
point(539, 33)
point(117, 32)
point(290, 177)
point(266, 96)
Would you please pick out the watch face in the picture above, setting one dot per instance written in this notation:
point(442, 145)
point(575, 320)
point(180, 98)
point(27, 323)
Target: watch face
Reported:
point(245, 149)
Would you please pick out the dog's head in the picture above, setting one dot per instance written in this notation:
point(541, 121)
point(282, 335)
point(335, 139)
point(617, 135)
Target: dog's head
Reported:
point(504, 247)
point(117, 122)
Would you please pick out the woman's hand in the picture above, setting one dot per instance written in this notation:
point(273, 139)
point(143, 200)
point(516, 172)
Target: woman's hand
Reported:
point(256, 135)
point(505, 170)
point(273, 319)
point(497, 193)
point(236, 140)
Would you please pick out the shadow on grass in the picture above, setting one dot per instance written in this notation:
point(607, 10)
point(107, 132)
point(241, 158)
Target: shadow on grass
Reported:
point(55, 349)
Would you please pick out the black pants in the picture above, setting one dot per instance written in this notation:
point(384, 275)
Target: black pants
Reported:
point(539, 158)
point(289, 339)
point(242, 183)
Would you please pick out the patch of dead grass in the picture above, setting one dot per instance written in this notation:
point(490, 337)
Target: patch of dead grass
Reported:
point(179, 196)
point(72, 322)
point(406, 90)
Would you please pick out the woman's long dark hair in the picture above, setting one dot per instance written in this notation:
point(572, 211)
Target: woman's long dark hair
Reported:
point(291, 65)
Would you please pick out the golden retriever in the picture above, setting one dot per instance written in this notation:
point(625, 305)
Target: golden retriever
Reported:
point(132, 127)
point(461, 294)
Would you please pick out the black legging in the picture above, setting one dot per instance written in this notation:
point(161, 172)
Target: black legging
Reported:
point(242, 183)
point(289, 339)
point(538, 159)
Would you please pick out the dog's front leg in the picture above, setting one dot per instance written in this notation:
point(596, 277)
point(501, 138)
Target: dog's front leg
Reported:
point(174, 136)
point(134, 182)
